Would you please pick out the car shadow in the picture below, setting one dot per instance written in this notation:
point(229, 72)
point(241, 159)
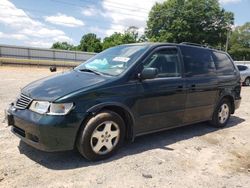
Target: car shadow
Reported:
point(161, 140)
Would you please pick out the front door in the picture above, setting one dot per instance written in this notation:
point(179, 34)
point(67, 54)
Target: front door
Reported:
point(161, 102)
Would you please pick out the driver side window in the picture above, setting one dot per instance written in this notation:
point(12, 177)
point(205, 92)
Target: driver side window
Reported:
point(166, 61)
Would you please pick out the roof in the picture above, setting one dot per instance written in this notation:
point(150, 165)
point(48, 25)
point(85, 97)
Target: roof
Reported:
point(194, 45)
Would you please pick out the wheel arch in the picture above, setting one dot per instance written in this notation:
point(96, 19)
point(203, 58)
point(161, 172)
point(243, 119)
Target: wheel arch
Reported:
point(118, 108)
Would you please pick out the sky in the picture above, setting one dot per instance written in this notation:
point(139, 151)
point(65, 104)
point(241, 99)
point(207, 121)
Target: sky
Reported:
point(41, 23)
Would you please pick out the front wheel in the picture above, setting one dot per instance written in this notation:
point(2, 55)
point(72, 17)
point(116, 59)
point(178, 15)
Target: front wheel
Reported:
point(102, 136)
point(222, 113)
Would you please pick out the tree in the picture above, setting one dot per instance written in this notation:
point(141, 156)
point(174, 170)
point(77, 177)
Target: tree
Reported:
point(90, 43)
point(240, 42)
point(129, 36)
point(133, 34)
point(62, 46)
point(142, 38)
point(198, 21)
point(112, 40)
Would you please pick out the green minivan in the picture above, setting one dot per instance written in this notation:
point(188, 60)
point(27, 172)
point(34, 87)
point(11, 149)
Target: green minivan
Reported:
point(124, 92)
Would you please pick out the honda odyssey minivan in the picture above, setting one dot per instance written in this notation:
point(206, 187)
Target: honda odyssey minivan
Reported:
point(124, 92)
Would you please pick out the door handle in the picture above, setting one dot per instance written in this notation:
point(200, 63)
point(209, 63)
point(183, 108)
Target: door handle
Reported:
point(179, 88)
point(193, 87)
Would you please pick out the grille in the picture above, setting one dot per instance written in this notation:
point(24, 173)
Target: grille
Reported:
point(22, 102)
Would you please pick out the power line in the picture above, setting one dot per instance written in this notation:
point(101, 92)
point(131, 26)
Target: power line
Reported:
point(76, 5)
point(96, 21)
point(126, 5)
point(40, 18)
point(157, 14)
point(122, 6)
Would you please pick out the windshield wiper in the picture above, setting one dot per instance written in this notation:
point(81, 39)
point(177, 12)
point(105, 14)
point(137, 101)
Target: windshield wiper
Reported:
point(89, 70)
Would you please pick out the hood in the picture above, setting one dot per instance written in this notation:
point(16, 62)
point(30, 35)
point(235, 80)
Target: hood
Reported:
point(56, 86)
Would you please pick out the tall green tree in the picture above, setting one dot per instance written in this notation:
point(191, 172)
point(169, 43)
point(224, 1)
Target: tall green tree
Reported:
point(198, 21)
point(129, 36)
point(63, 46)
point(133, 34)
point(90, 43)
point(240, 43)
point(112, 40)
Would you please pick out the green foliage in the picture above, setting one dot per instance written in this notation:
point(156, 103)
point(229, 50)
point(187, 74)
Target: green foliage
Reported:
point(63, 46)
point(240, 43)
point(129, 36)
point(90, 43)
point(198, 21)
point(112, 40)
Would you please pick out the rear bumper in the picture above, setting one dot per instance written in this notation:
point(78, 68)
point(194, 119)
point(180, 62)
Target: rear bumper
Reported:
point(44, 132)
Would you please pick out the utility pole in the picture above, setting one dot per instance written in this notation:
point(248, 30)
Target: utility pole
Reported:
point(227, 41)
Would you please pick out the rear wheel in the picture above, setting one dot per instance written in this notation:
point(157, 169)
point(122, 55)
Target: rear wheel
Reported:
point(247, 82)
point(222, 113)
point(102, 136)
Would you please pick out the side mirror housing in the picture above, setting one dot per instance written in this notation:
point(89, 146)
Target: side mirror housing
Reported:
point(148, 73)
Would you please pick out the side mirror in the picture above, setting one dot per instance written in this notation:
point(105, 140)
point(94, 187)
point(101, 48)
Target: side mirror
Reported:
point(52, 69)
point(148, 73)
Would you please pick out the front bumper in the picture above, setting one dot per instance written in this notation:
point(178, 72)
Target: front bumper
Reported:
point(237, 103)
point(45, 132)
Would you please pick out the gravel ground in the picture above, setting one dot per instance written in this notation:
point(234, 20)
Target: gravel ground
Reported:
point(192, 156)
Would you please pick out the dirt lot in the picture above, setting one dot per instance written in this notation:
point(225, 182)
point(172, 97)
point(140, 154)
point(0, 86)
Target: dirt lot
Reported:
point(193, 156)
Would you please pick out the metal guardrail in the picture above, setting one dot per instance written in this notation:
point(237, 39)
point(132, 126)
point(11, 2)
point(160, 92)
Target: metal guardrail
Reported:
point(21, 55)
point(242, 62)
point(36, 62)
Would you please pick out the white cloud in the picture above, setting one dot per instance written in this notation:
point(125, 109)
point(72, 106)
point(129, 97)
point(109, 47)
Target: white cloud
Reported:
point(42, 32)
point(128, 13)
point(64, 20)
point(15, 17)
point(115, 28)
point(93, 11)
point(38, 43)
point(229, 1)
point(23, 27)
point(13, 36)
point(89, 12)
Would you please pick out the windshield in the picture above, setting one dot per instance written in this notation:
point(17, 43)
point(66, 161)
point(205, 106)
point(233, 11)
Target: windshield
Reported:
point(114, 61)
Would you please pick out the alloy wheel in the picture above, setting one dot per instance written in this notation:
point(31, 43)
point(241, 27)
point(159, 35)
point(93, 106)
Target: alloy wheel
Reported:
point(223, 113)
point(105, 137)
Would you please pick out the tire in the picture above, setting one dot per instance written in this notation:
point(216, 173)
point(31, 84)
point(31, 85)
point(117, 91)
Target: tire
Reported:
point(220, 118)
point(247, 81)
point(102, 136)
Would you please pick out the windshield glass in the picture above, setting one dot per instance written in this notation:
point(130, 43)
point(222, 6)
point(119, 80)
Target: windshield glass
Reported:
point(114, 61)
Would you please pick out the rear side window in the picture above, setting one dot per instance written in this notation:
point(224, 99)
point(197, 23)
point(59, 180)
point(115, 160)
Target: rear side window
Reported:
point(197, 61)
point(223, 64)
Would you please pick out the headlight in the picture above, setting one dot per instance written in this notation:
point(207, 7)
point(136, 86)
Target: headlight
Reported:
point(60, 108)
point(44, 107)
point(40, 107)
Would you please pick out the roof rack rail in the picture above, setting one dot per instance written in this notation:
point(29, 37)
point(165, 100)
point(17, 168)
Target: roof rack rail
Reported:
point(195, 44)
